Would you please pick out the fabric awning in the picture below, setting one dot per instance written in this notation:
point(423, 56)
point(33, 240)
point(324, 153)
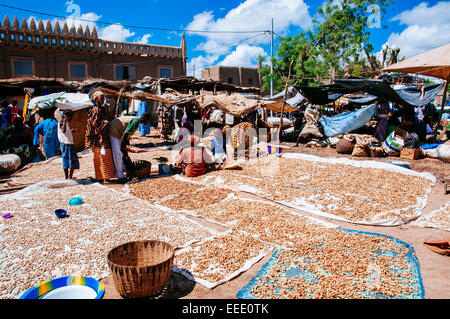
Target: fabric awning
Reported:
point(435, 63)
point(235, 104)
point(291, 104)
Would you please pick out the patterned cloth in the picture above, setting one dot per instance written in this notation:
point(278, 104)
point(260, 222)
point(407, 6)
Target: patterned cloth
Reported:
point(163, 121)
point(103, 164)
point(97, 137)
point(97, 130)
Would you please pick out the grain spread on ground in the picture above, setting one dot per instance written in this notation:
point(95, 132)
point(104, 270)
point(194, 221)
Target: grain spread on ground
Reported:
point(37, 246)
point(439, 218)
point(338, 264)
point(154, 189)
point(359, 194)
point(267, 222)
point(217, 258)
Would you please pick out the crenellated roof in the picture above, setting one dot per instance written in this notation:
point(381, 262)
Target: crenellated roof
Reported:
point(30, 33)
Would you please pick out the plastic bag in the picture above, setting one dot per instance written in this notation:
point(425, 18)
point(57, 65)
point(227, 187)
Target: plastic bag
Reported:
point(442, 153)
point(393, 144)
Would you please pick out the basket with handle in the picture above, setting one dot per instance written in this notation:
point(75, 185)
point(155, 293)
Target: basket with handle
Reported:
point(141, 269)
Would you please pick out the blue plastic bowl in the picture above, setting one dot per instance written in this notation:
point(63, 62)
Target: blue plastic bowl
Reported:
point(60, 213)
point(76, 201)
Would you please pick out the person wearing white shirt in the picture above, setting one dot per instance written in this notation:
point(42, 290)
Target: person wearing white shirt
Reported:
point(65, 137)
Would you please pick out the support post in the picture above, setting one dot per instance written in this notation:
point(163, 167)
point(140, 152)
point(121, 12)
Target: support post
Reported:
point(271, 62)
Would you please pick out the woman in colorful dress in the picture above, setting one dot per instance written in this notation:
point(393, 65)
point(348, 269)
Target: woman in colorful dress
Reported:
point(97, 137)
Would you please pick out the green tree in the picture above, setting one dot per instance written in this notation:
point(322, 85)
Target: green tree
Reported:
point(339, 38)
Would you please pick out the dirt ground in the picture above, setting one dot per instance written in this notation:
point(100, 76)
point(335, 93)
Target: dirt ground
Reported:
point(434, 267)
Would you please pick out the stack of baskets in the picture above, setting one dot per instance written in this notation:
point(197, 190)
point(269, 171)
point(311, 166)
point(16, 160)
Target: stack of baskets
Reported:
point(141, 269)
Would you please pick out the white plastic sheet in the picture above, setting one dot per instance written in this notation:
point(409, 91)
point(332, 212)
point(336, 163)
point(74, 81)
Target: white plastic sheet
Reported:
point(62, 100)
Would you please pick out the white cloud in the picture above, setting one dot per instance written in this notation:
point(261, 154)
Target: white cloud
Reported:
point(144, 39)
point(115, 32)
point(251, 15)
point(423, 14)
point(197, 64)
point(242, 49)
point(245, 55)
point(426, 28)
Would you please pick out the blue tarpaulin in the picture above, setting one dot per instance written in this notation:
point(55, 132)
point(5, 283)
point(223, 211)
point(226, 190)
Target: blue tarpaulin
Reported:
point(347, 122)
point(410, 278)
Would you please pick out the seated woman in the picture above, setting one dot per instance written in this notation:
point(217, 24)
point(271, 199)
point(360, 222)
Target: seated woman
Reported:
point(194, 159)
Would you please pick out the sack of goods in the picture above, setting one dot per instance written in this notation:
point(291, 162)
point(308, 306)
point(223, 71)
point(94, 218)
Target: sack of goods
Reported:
point(395, 142)
point(412, 141)
point(441, 153)
point(9, 163)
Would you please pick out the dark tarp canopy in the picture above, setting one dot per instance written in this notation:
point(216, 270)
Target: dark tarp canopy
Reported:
point(319, 95)
point(410, 96)
point(362, 100)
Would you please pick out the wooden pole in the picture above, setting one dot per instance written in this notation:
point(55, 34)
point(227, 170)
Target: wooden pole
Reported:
point(285, 98)
point(444, 100)
point(118, 102)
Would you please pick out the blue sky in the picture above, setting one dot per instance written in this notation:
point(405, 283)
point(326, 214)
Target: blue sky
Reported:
point(413, 25)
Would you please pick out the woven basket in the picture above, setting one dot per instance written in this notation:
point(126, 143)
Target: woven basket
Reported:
point(344, 146)
point(141, 268)
point(139, 169)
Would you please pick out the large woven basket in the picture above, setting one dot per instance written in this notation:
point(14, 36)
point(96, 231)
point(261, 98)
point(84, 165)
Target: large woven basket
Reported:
point(141, 268)
point(139, 169)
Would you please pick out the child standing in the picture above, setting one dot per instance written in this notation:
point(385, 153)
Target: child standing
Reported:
point(65, 137)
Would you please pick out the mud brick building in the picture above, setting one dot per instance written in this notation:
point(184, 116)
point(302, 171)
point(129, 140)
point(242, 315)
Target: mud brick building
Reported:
point(75, 54)
point(239, 76)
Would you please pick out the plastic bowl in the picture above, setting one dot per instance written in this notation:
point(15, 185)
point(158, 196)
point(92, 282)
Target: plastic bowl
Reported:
point(68, 287)
point(60, 213)
point(76, 201)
